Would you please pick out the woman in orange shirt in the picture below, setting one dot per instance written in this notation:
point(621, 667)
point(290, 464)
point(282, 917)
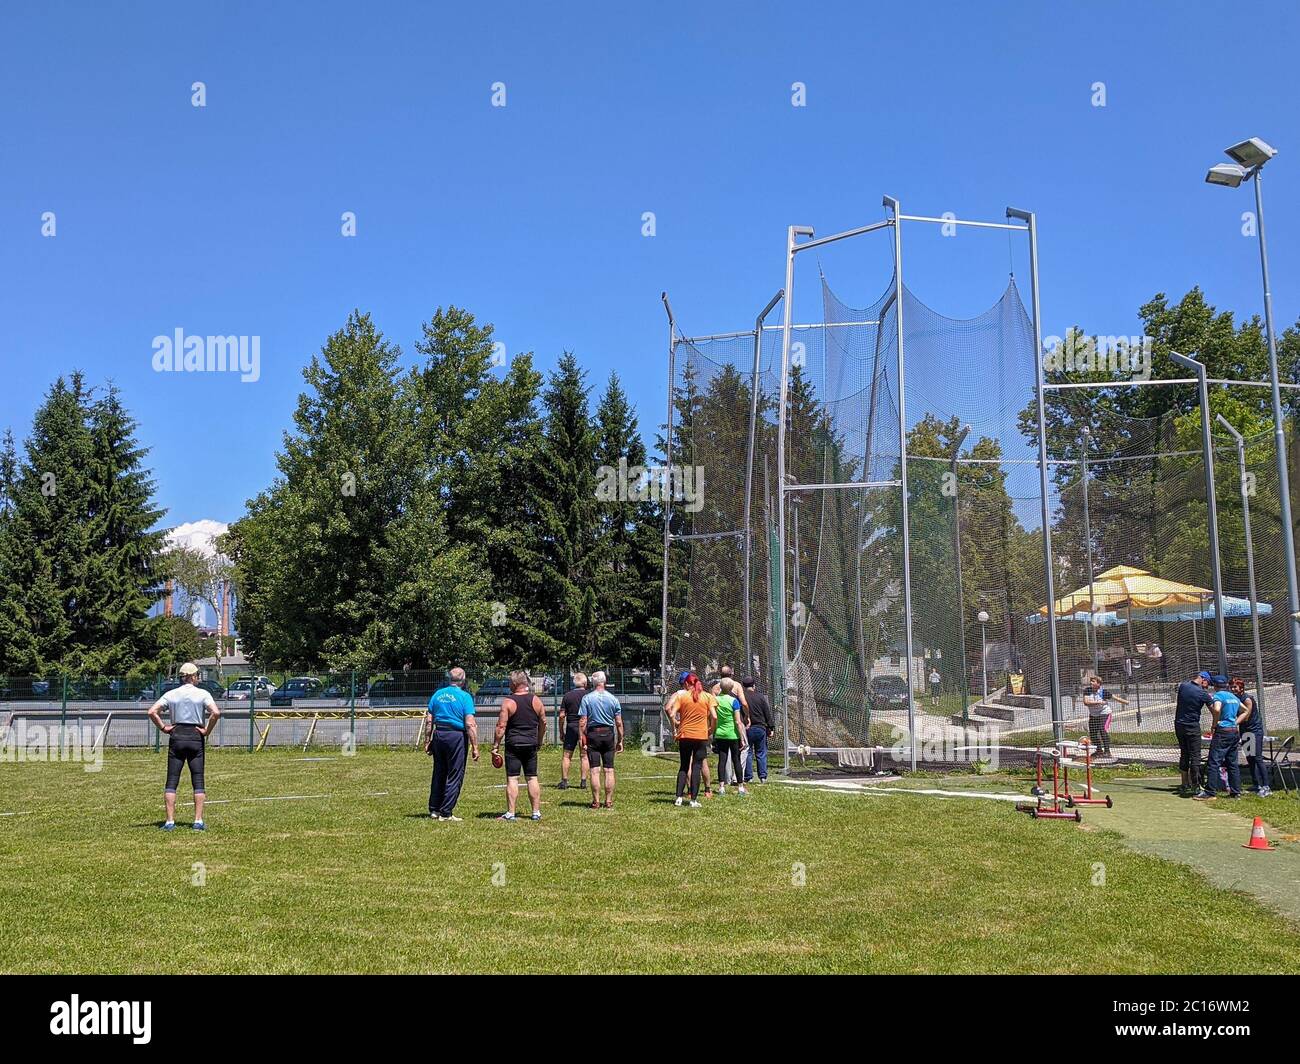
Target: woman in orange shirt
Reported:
point(694, 715)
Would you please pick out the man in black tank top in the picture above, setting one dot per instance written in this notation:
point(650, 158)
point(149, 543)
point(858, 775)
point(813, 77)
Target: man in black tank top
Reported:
point(521, 725)
point(570, 729)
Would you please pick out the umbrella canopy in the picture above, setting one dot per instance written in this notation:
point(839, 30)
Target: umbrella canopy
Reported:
point(1125, 587)
point(1143, 597)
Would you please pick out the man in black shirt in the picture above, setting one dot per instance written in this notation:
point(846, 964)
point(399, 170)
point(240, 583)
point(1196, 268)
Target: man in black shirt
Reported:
point(1193, 697)
point(569, 725)
point(762, 725)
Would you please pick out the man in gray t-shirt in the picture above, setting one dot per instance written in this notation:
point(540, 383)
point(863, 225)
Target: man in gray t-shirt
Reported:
point(193, 715)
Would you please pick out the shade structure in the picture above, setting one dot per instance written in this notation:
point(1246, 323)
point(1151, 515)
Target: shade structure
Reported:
point(1125, 593)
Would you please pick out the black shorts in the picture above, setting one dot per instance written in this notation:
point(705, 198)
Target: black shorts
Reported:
point(185, 747)
point(572, 733)
point(601, 742)
point(521, 759)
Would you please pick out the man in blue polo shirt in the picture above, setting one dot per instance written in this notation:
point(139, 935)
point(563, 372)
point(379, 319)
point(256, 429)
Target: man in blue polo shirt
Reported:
point(452, 733)
point(1225, 739)
point(600, 723)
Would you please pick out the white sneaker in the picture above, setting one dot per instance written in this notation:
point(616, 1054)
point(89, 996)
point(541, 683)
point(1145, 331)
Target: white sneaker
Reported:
point(742, 790)
point(722, 788)
point(451, 819)
point(695, 805)
point(1264, 792)
point(678, 802)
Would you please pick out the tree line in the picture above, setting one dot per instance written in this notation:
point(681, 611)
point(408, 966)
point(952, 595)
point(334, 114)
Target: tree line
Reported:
point(445, 513)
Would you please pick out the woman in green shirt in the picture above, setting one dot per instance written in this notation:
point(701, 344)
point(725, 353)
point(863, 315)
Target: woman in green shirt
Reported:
point(730, 737)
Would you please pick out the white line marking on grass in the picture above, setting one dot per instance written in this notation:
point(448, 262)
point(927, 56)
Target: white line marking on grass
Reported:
point(313, 759)
point(271, 798)
point(21, 812)
point(575, 787)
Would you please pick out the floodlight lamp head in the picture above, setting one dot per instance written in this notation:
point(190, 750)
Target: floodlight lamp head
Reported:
point(1228, 174)
point(982, 616)
point(801, 230)
point(1251, 153)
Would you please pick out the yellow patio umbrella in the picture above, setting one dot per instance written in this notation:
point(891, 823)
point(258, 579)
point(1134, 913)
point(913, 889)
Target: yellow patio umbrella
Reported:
point(1126, 587)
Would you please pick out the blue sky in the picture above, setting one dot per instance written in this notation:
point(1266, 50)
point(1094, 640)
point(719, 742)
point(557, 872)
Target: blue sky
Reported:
point(226, 219)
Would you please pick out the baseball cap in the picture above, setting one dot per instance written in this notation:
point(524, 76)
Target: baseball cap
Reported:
point(1219, 680)
point(189, 669)
point(682, 677)
point(1203, 675)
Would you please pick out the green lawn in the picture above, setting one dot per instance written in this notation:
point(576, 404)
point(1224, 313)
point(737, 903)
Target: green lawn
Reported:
point(791, 879)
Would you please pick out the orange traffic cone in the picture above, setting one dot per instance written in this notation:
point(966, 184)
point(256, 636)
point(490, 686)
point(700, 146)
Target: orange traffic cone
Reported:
point(1258, 840)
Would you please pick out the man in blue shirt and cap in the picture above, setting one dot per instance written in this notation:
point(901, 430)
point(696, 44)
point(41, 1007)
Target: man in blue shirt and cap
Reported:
point(1193, 697)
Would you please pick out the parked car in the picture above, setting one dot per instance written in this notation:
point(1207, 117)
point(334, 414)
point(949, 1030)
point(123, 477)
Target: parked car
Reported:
point(19, 688)
point(243, 688)
point(211, 686)
point(887, 692)
point(297, 687)
point(401, 692)
point(494, 688)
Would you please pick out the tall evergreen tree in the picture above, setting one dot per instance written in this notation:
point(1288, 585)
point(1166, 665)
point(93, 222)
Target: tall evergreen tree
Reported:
point(345, 560)
point(481, 436)
point(124, 544)
point(626, 558)
point(567, 494)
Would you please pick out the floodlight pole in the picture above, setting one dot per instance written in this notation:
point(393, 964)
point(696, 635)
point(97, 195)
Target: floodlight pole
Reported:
point(896, 213)
point(1279, 438)
point(1087, 535)
point(1207, 459)
point(749, 477)
point(1250, 559)
point(1048, 561)
point(666, 482)
point(956, 552)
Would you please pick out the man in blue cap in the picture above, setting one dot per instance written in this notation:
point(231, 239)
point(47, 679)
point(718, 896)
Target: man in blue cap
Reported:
point(1225, 741)
point(1193, 697)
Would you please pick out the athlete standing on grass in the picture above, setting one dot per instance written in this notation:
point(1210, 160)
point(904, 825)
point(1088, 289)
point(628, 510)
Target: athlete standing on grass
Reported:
point(730, 736)
point(694, 717)
point(571, 729)
point(187, 706)
point(601, 735)
point(452, 733)
point(522, 724)
point(727, 674)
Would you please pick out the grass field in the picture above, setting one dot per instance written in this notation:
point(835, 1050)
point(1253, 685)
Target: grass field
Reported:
point(352, 877)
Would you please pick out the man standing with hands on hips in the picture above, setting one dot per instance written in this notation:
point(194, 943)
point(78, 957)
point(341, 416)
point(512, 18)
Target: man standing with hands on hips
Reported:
point(188, 705)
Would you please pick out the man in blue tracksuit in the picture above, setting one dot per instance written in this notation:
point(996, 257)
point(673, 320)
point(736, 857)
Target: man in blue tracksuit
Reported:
point(452, 734)
point(1225, 740)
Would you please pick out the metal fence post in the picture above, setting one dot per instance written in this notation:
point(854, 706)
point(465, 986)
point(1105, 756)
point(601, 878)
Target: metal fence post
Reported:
point(352, 706)
point(252, 702)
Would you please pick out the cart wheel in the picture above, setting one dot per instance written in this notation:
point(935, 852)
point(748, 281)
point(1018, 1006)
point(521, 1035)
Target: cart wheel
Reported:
point(1034, 813)
point(1037, 792)
point(1110, 802)
point(1069, 802)
point(1078, 816)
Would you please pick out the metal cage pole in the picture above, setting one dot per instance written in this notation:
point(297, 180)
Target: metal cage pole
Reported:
point(956, 553)
point(1250, 558)
point(1087, 535)
point(1054, 679)
point(749, 480)
point(780, 689)
point(1211, 502)
point(896, 211)
point(666, 480)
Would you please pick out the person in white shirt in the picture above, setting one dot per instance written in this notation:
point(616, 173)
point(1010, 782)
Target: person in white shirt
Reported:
point(193, 715)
